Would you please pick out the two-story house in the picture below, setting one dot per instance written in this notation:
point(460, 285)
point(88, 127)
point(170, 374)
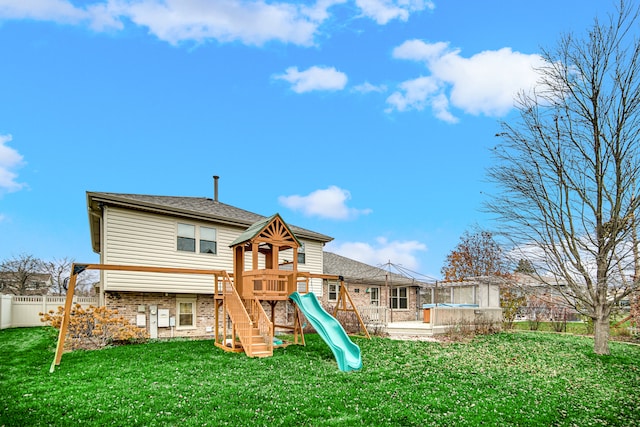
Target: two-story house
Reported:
point(177, 232)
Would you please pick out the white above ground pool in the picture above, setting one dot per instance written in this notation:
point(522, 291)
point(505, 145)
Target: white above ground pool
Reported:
point(443, 305)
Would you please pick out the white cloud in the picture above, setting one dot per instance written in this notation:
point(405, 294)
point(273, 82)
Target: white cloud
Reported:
point(417, 50)
point(415, 94)
point(383, 11)
point(367, 87)
point(404, 253)
point(252, 22)
point(328, 203)
point(485, 83)
point(10, 159)
point(314, 78)
point(49, 10)
point(99, 16)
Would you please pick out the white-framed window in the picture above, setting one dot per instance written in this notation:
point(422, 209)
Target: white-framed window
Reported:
point(374, 295)
point(186, 237)
point(399, 298)
point(208, 242)
point(334, 289)
point(191, 238)
point(185, 313)
point(302, 258)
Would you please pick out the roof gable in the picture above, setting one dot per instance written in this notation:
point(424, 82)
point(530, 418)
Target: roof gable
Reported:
point(271, 229)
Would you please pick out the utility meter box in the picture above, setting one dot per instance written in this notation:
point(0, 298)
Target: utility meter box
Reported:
point(163, 317)
point(141, 320)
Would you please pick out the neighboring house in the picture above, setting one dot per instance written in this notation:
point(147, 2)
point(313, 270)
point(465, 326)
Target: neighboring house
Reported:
point(546, 298)
point(21, 283)
point(177, 232)
point(378, 294)
point(384, 297)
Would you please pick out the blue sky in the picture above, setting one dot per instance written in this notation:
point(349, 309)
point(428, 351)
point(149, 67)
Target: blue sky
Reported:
point(370, 121)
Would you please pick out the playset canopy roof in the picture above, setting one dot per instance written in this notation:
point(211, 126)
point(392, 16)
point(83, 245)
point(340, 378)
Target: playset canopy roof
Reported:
point(269, 228)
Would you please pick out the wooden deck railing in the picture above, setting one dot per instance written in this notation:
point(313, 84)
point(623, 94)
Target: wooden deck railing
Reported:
point(238, 313)
point(269, 283)
point(261, 320)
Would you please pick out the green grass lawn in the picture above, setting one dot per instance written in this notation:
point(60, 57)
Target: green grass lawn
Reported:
point(620, 333)
point(506, 379)
point(572, 327)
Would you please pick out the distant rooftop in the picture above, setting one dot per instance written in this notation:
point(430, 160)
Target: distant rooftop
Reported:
point(359, 272)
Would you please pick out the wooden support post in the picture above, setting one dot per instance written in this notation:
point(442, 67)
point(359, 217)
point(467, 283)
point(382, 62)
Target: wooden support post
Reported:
point(217, 303)
point(224, 322)
point(64, 326)
point(233, 336)
point(297, 326)
point(343, 296)
point(273, 312)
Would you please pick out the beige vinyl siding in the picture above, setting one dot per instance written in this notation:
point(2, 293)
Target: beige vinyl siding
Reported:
point(139, 238)
point(313, 263)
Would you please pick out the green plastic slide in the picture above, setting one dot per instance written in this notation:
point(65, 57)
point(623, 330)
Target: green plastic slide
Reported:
point(347, 353)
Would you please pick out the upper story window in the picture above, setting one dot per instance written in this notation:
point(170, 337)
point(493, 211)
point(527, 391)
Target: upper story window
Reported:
point(208, 244)
point(189, 234)
point(301, 255)
point(186, 237)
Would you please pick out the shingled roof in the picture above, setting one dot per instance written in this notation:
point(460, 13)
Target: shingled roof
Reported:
point(199, 208)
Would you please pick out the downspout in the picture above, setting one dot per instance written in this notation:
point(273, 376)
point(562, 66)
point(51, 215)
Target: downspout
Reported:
point(101, 297)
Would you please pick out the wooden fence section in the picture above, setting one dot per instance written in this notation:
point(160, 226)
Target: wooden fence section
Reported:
point(17, 311)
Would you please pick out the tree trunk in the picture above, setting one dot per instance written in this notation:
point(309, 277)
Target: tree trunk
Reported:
point(601, 334)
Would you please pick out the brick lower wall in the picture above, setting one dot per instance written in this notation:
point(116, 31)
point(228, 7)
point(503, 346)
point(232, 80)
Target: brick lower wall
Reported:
point(362, 300)
point(127, 304)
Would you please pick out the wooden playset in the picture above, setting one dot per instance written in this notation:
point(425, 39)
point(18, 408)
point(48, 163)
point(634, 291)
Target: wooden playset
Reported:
point(241, 323)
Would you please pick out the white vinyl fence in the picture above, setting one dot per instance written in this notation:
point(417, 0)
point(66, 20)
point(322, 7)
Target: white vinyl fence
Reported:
point(18, 311)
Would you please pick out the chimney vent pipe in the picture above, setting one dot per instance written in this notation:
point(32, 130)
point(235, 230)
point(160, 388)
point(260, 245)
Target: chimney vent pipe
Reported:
point(215, 187)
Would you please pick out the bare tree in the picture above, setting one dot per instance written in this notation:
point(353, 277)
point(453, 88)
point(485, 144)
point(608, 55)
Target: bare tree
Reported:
point(23, 275)
point(60, 271)
point(568, 169)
